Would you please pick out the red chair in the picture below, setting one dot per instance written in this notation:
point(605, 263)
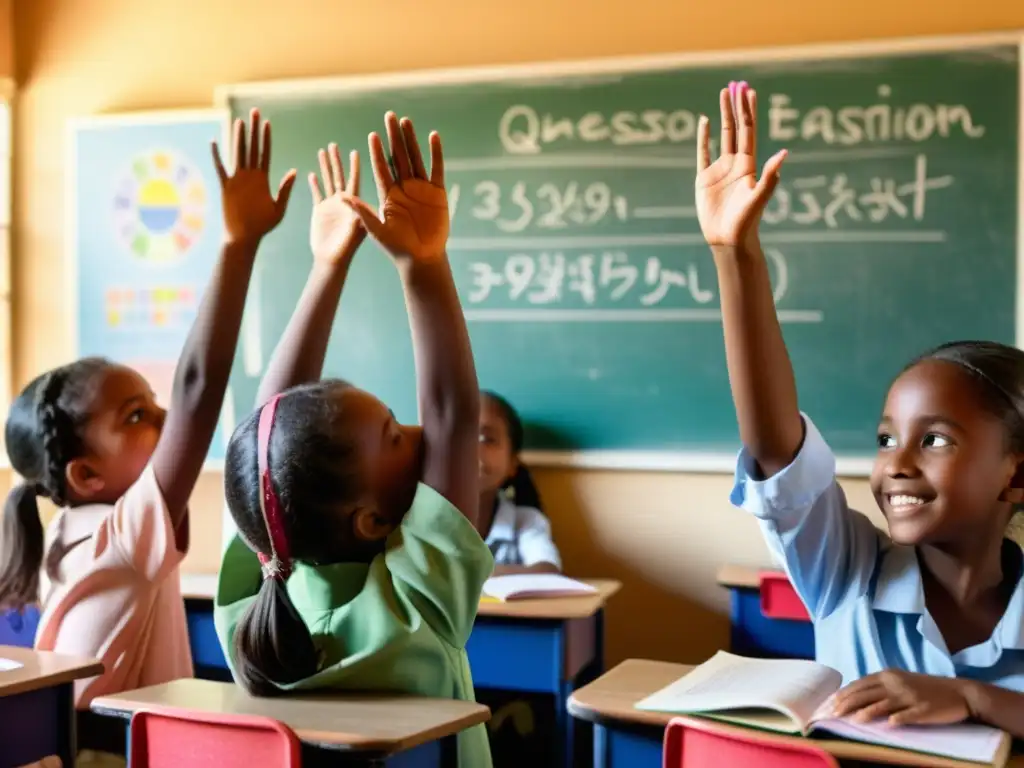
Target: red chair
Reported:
point(779, 599)
point(693, 743)
point(172, 738)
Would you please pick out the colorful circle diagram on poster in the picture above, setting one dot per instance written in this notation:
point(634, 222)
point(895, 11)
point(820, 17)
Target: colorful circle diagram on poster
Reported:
point(159, 207)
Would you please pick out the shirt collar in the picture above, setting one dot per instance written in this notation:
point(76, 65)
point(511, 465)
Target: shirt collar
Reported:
point(328, 587)
point(503, 527)
point(899, 589)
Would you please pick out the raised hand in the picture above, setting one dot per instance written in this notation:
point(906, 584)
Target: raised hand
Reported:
point(335, 230)
point(413, 221)
point(730, 197)
point(250, 211)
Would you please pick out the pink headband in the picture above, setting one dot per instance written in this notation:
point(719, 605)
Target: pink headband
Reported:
point(279, 565)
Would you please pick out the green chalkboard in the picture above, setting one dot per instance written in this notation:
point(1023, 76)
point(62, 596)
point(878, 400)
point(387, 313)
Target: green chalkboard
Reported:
point(590, 295)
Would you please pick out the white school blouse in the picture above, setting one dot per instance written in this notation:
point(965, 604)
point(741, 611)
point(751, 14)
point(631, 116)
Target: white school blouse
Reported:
point(521, 536)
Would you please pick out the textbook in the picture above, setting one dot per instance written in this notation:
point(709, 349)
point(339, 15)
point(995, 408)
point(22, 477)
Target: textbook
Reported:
point(793, 696)
point(529, 586)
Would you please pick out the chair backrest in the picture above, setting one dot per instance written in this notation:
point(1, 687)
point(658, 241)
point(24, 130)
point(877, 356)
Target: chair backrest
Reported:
point(779, 599)
point(170, 738)
point(693, 743)
point(19, 627)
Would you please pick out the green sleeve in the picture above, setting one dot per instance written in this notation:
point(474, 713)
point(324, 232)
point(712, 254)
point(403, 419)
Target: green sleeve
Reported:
point(439, 563)
point(237, 586)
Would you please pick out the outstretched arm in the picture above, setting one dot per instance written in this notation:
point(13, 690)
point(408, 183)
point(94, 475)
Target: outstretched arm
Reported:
point(201, 378)
point(730, 200)
point(335, 233)
point(413, 227)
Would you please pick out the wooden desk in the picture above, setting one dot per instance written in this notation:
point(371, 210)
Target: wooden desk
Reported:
point(626, 736)
point(751, 633)
point(37, 708)
point(532, 646)
point(372, 729)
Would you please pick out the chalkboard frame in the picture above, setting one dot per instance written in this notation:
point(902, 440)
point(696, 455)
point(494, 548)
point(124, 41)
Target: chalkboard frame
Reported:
point(661, 461)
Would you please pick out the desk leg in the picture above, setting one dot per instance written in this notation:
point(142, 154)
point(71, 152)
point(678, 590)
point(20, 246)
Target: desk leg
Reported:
point(600, 746)
point(65, 711)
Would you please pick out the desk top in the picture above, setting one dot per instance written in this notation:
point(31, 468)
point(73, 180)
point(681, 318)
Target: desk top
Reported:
point(578, 607)
point(742, 575)
point(613, 696)
point(364, 722)
point(42, 669)
point(203, 585)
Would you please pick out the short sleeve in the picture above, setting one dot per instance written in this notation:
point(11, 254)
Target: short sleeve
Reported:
point(439, 563)
point(534, 538)
point(139, 527)
point(829, 550)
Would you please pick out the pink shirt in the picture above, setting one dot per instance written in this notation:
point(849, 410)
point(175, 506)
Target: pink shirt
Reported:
point(118, 597)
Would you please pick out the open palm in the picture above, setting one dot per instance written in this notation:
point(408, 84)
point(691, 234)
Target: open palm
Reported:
point(729, 196)
point(414, 220)
point(250, 210)
point(335, 231)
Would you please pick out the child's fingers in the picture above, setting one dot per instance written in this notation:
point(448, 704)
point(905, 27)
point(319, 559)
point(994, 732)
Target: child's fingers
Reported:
point(752, 109)
point(314, 188)
point(399, 154)
point(337, 171)
point(365, 213)
point(728, 121)
point(284, 192)
point(265, 158)
point(325, 173)
point(413, 147)
point(239, 146)
point(353, 173)
point(745, 135)
point(436, 160)
point(218, 164)
point(254, 138)
point(770, 174)
point(381, 169)
point(703, 143)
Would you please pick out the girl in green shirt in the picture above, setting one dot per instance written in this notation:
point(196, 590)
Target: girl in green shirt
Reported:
point(357, 564)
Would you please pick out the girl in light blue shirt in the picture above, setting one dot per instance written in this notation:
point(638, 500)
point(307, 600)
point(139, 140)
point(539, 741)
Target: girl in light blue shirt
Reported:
point(925, 623)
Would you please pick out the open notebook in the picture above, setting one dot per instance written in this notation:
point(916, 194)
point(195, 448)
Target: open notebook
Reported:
point(792, 696)
point(528, 586)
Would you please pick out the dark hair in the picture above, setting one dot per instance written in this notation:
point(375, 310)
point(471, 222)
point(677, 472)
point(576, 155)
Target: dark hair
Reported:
point(521, 483)
point(43, 433)
point(999, 371)
point(315, 469)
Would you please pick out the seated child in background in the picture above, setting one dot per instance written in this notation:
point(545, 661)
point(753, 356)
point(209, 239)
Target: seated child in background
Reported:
point(90, 437)
point(926, 624)
point(372, 568)
point(510, 518)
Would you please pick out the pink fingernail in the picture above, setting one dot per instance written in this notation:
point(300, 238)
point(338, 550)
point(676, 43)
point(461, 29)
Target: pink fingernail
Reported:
point(743, 85)
point(732, 88)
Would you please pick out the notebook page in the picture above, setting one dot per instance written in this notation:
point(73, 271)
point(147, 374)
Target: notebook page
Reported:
point(965, 741)
point(7, 665)
point(793, 686)
point(535, 585)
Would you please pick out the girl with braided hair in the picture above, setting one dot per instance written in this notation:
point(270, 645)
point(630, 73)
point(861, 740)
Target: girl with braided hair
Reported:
point(90, 437)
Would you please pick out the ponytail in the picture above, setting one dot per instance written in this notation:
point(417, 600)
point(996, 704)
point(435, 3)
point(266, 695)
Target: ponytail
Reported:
point(21, 549)
point(523, 489)
point(272, 645)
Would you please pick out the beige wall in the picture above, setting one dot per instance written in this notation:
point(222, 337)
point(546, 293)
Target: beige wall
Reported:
point(663, 535)
point(6, 39)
